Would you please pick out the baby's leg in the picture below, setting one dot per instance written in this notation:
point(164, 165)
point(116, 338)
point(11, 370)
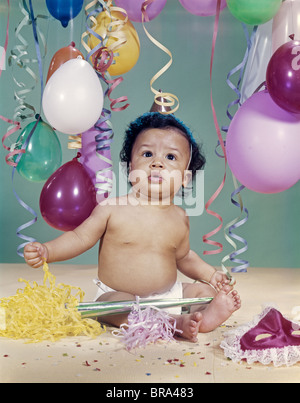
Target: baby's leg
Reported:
point(190, 323)
point(225, 302)
point(117, 319)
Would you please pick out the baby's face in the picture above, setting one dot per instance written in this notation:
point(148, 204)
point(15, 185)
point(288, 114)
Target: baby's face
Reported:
point(159, 163)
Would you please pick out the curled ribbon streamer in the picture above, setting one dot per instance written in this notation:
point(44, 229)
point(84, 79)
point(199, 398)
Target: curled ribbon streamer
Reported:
point(12, 152)
point(168, 100)
point(103, 141)
point(27, 224)
point(101, 55)
point(217, 192)
point(16, 125)
point(236, 223)
point(243, 264)
point(29, 19)
point(74, 142)
point(231, 226)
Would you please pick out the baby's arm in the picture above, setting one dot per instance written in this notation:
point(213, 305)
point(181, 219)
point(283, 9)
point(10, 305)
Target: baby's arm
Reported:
point(194, 267)
point(71, 243)
point(190, 264)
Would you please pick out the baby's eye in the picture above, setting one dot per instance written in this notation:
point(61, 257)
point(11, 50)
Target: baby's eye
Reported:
point(147, 154)
point(171, 157)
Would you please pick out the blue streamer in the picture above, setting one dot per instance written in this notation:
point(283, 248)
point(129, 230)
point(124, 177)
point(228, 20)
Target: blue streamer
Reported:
point(243, 264)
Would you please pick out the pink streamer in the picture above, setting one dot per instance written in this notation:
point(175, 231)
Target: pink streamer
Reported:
point(217, 192)
point(146, 326)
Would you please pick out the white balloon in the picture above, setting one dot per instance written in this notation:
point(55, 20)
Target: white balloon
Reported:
point(258, 60)
point(73, 97)
point(286, 22)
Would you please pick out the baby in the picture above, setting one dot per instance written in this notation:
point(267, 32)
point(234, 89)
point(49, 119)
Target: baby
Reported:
point(144, 236)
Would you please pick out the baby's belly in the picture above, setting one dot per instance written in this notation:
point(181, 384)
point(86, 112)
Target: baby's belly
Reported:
point(141, 275)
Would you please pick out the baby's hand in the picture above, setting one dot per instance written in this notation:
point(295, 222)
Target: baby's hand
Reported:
point(35, 254)
point(219, 279)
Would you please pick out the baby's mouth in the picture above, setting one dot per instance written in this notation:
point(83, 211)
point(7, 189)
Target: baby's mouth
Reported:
point(155, 177)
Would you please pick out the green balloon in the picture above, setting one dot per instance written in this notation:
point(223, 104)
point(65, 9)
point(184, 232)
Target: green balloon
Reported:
point(254, 12)
point(43, 154)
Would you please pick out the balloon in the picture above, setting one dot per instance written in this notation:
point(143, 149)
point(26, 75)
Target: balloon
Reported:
point(64, 10)
point(128, 53)
point(92, 162)
point(134, 8)
point(283, 76)
point(68, 197)
point(43, 152)
point(73, 97)
point(254, 12)
point(262, 145)
point(285, 23)
point(62, 56)
point(257, 62)
point(202, 7)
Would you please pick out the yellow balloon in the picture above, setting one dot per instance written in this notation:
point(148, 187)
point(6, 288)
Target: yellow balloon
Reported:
point(125, 56)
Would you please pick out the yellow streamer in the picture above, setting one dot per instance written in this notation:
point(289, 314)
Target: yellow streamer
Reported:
point(39, 312)
point(168, 100)
point(74, 142)
point(114, 29)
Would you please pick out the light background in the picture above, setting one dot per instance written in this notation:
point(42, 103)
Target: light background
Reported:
point(272, 231)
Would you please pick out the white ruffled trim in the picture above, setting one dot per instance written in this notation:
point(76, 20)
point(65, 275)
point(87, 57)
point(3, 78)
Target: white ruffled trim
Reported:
point(288, 356)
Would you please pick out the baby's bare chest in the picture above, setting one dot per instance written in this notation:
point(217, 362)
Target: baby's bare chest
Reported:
point(157, 230)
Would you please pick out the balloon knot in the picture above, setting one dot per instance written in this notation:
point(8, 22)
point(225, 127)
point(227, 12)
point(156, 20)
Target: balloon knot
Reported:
point(77, 156)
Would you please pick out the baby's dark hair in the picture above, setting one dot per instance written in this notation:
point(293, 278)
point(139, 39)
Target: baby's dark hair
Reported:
point(156, 120)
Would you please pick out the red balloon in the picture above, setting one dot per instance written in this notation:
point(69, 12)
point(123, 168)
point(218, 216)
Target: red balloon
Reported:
point(62, 56)
point(68, 197)
point(283, 76)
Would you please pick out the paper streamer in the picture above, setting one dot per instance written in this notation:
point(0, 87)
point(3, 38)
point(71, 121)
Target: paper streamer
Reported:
point(15, 125)
point(166, 99)
point(237, 222)
point(104, 181)
point(74, 142)
point(17, 58)
point(101, 55)
point(217, 192)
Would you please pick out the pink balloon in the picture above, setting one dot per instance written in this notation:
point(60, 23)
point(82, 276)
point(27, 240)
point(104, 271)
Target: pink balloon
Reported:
point(262, 145)
point(134, 8)
point(68, 197)
point(283, 76)
point(202, 7)
point(93, 163)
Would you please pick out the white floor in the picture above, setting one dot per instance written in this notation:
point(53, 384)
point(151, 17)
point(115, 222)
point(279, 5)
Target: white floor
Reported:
point(104, 360)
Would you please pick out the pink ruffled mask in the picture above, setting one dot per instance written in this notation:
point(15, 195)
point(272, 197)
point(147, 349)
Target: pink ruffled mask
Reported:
point(268, 338)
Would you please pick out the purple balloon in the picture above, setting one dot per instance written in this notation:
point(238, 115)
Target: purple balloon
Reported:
point(202, 7)
point(134, 8)
point(68, 197)
point(283, 76)
point(93, 163)
point(262, 145)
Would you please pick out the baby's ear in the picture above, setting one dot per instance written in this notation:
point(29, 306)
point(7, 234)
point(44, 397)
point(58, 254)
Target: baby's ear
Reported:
point(187, 177)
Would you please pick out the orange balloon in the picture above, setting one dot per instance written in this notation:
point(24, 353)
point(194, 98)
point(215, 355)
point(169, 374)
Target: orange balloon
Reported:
point(125, 56)
point(62, 56)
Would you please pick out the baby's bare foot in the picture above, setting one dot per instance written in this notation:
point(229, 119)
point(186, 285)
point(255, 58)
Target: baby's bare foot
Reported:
point(220, 309)
point(189, 325)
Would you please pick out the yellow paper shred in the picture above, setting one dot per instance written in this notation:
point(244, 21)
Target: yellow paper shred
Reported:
point(38, 312)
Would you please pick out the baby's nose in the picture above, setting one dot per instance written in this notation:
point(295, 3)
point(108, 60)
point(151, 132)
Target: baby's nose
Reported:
point(157, 163)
